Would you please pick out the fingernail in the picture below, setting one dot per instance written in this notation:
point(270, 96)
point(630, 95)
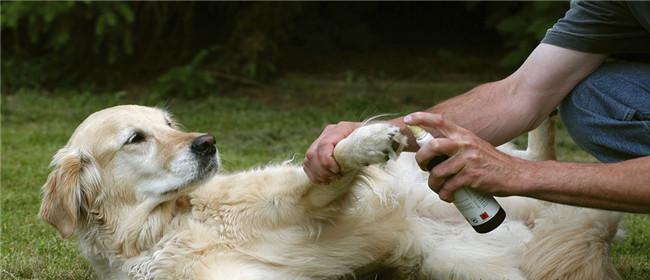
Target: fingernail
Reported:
point(408, 118)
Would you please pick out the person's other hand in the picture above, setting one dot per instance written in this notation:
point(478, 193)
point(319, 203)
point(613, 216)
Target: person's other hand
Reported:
point(319, 163)
point(473, 162)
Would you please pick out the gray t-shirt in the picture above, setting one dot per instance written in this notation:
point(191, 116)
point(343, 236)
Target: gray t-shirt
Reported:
point(603, 27)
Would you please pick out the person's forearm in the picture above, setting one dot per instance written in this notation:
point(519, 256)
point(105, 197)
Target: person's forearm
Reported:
point(495, 111)
point(502, 110)
point(623, 186)
point(491, 110)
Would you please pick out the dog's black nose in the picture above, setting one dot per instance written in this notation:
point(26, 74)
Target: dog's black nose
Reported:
point(203, 145)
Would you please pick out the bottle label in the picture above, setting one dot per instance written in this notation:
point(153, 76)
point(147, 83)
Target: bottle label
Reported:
point(476, 207)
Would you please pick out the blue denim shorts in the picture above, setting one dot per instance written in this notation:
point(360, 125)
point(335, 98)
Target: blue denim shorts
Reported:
point(608, 113)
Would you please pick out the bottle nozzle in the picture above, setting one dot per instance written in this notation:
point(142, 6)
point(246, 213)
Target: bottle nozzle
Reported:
point(417, 131)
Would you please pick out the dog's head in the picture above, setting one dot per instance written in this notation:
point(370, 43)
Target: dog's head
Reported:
point(123, 157)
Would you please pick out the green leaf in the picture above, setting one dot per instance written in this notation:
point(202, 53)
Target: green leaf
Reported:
point(126, 12)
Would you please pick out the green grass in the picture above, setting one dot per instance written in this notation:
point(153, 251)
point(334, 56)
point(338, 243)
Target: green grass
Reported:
point(252, 127)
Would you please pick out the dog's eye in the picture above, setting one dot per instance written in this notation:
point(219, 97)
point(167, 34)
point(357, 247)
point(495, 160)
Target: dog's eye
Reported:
point(137, 137)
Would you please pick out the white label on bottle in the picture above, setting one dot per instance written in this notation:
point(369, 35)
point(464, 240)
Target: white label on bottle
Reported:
point(476, 207)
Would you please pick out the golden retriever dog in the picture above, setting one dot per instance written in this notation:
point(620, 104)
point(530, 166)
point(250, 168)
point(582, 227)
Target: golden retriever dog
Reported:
point(147, 202)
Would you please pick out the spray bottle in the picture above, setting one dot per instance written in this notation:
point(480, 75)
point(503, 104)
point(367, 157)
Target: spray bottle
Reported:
point(482, 211)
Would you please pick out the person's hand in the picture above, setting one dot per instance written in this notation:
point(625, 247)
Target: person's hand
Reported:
point(473, 162)
point(319, 163)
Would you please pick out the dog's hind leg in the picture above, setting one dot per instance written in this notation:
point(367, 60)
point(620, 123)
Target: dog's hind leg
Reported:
point(541, 143)
point(571, 243)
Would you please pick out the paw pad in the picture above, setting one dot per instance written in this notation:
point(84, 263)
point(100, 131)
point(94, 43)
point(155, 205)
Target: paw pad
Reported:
point(370, 144)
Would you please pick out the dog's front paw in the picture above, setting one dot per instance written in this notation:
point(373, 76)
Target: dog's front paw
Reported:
point(370, 144)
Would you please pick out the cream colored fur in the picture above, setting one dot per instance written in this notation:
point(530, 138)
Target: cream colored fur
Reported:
point(273, 223)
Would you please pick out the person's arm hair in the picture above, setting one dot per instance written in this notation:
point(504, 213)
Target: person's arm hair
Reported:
point(501, 110)
point(622, 186)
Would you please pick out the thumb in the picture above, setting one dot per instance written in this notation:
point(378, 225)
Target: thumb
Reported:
point(436, 151)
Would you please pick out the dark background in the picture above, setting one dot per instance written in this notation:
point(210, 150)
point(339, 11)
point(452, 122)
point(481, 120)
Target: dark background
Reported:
point(192, 48)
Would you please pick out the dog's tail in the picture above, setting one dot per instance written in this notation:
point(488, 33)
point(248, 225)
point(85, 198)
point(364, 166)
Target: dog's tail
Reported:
point(572, 243)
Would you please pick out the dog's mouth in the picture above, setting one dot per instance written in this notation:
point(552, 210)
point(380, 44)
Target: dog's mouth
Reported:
point(206, 166)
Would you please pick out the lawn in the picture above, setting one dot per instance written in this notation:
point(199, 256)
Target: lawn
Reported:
point(252, 127)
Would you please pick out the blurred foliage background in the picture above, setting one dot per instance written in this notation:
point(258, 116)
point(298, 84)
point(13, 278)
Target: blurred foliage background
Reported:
point(192, 48)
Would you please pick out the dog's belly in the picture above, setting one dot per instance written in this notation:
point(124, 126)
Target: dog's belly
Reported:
point(390, 219)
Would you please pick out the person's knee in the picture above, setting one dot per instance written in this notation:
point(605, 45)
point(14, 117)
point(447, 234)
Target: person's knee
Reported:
point(599, 112)
point(578, 115)
point(598, 96)
point(582, 109)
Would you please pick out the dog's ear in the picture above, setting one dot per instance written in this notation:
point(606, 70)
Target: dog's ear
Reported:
point(70, 189)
